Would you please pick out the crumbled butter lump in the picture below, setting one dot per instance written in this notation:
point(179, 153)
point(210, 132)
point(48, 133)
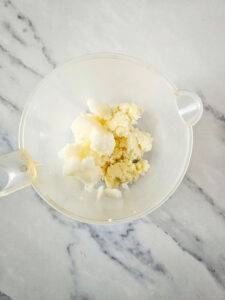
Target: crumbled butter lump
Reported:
point(108, 147)
point(124, 171)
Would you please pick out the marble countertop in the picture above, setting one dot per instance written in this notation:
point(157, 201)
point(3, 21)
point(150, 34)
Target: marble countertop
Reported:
point(177, 252)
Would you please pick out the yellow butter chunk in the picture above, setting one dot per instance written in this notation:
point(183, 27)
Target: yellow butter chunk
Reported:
point(125, 171)
point(131, 110)
point(119, 124)
point(107, 146)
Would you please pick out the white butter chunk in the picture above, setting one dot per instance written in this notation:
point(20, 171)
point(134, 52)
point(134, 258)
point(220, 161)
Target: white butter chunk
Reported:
point(100, 109)
point(83, 126)
point(102, 141)
point(87, 128)
point(85, 170)
point(108, 193)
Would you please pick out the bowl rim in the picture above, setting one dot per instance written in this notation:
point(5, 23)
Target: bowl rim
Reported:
point(51, 202)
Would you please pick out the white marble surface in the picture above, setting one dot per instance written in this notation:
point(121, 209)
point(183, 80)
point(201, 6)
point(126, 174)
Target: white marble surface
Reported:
point(178, 251)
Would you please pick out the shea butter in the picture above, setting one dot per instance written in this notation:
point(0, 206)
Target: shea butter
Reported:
point(108, 146)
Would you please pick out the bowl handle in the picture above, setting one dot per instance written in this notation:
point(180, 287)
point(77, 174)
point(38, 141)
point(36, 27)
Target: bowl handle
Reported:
point(17, 170)
point(190, 106)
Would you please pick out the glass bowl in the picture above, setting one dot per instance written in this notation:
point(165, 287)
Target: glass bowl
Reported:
point(61, 96)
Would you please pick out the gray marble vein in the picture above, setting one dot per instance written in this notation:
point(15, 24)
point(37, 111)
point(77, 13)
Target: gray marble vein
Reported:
point(9, 104)
point(29, 23)
point(37, 38)
point(4, 296)
point(10, 29)
point(177, 252)
point(195, 246)
point(6, 141)
point(209, 108)
point(17, 61)
point(199, 258)
point(194, 186)
point(217, 114)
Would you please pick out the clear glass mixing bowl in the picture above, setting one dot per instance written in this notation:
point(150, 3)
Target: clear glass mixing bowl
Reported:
point(61, 96)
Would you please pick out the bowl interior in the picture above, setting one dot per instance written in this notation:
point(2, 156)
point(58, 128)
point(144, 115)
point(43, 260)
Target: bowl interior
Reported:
point(62, 96)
